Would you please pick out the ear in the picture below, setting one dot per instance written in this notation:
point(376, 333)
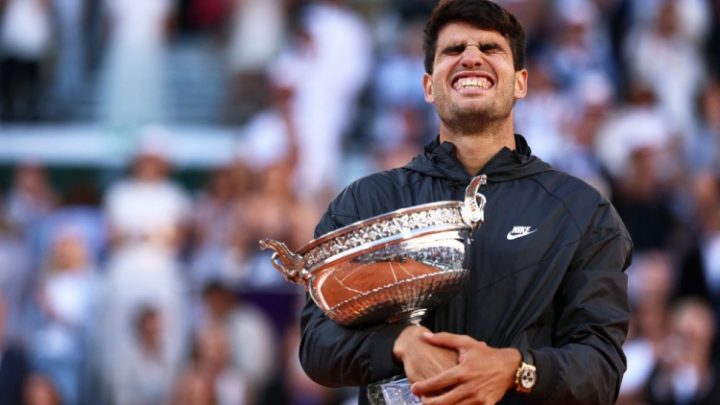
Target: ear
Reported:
point(521, 78)
point(427, 85)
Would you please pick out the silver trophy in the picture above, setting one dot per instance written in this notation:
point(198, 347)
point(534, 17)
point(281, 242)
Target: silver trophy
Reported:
point(388, 268)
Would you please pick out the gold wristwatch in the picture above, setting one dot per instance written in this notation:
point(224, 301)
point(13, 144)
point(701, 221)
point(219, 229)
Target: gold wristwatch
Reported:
point(526, 374)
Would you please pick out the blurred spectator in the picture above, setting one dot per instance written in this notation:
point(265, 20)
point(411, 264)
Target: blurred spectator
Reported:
point(39, 390)
point(542, 117)
point(700, 267)
point(16, 280)
point(133, 85)
point(635, 146)
point(30, 198)
point(686, 374)
point(247, 58)
point(25, 43)
point(194, 389)
point(674, 37)
point(65, 305)
point(326, 71)
point(400, 113)
point(271, 148)
point(85, 220)
point(650, 289)
point(637, 123)
point(272, 211)
point(219, 241)
point(144, 374)
point(592, 105)
point(212, 367)
point(271, 135)
point(147, 214)
point(247, 331)
point(703, 148)
point(148, 208)
point(140, 276)
point(535, 19)
point(644, 201)
point(580, 45)
point(69, 75)
point(14, 367)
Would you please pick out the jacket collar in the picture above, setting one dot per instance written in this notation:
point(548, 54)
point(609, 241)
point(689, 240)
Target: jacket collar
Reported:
point(438, 160)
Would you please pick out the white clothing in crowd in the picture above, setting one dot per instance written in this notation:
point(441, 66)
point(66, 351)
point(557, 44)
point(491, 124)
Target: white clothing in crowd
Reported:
point(253, 19)
point(669, 59)
point(25, 29)
point(326, 75)
point(136, 209)
point(133, 85)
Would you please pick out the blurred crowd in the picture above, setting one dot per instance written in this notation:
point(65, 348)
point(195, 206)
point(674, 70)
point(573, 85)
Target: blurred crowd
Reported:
point(139, 289)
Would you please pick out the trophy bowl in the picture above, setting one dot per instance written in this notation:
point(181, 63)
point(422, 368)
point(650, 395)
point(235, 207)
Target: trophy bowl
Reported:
point(392, 267)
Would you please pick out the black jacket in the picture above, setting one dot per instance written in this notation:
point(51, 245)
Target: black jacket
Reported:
point(560, 291)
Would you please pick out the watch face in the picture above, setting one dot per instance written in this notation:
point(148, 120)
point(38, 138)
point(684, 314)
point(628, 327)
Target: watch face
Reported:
point(527, 379)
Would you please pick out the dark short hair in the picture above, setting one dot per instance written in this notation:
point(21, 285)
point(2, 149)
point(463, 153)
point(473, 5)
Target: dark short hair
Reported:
point(482, 14)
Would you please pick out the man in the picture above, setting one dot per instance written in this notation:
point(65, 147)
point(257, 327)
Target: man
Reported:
point(547, 297)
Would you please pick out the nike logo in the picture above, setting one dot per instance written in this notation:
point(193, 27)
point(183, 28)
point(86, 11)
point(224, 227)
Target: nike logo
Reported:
point(519, 232)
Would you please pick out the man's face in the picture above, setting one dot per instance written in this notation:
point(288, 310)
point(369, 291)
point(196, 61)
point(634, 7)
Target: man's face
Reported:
point(473, 79)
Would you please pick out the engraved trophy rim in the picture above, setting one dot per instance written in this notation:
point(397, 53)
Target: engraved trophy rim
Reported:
point(376, 219)
point(356, 244)
point(349, 272)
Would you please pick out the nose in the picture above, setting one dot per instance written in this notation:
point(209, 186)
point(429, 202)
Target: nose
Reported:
point(472, 56)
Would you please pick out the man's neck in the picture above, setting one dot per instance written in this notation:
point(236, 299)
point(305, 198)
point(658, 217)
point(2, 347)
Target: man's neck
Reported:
point(474, 150)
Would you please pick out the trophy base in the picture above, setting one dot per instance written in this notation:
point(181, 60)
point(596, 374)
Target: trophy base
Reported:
point(392, 391)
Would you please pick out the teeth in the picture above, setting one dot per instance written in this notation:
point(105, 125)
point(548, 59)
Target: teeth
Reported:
point(468, 82)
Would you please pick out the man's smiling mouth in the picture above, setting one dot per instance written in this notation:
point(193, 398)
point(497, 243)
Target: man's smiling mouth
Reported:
point(472, 82)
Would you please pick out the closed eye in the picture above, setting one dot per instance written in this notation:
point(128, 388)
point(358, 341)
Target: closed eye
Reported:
point(453, 50)
point(491, 48)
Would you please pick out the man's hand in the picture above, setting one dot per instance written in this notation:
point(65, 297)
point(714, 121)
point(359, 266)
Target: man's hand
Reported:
point(422, 359)
point(482, 376)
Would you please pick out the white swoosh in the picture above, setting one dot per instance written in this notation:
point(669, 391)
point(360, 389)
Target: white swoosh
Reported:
point(511, 236)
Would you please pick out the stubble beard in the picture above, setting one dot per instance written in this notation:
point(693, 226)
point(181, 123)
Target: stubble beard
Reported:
point(478, 120)
point(480, 117)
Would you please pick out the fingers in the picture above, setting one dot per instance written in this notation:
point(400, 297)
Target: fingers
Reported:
point(449, 340)
point(439, 383)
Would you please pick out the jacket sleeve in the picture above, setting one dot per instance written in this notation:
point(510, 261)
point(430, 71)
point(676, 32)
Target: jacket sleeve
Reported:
point(586, 364)
point(333, 355)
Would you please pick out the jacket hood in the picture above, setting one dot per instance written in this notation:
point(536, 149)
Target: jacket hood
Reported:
point(438, 160)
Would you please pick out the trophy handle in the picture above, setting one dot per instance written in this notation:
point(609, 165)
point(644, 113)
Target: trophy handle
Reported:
point(291, 265)
point(473, 209)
